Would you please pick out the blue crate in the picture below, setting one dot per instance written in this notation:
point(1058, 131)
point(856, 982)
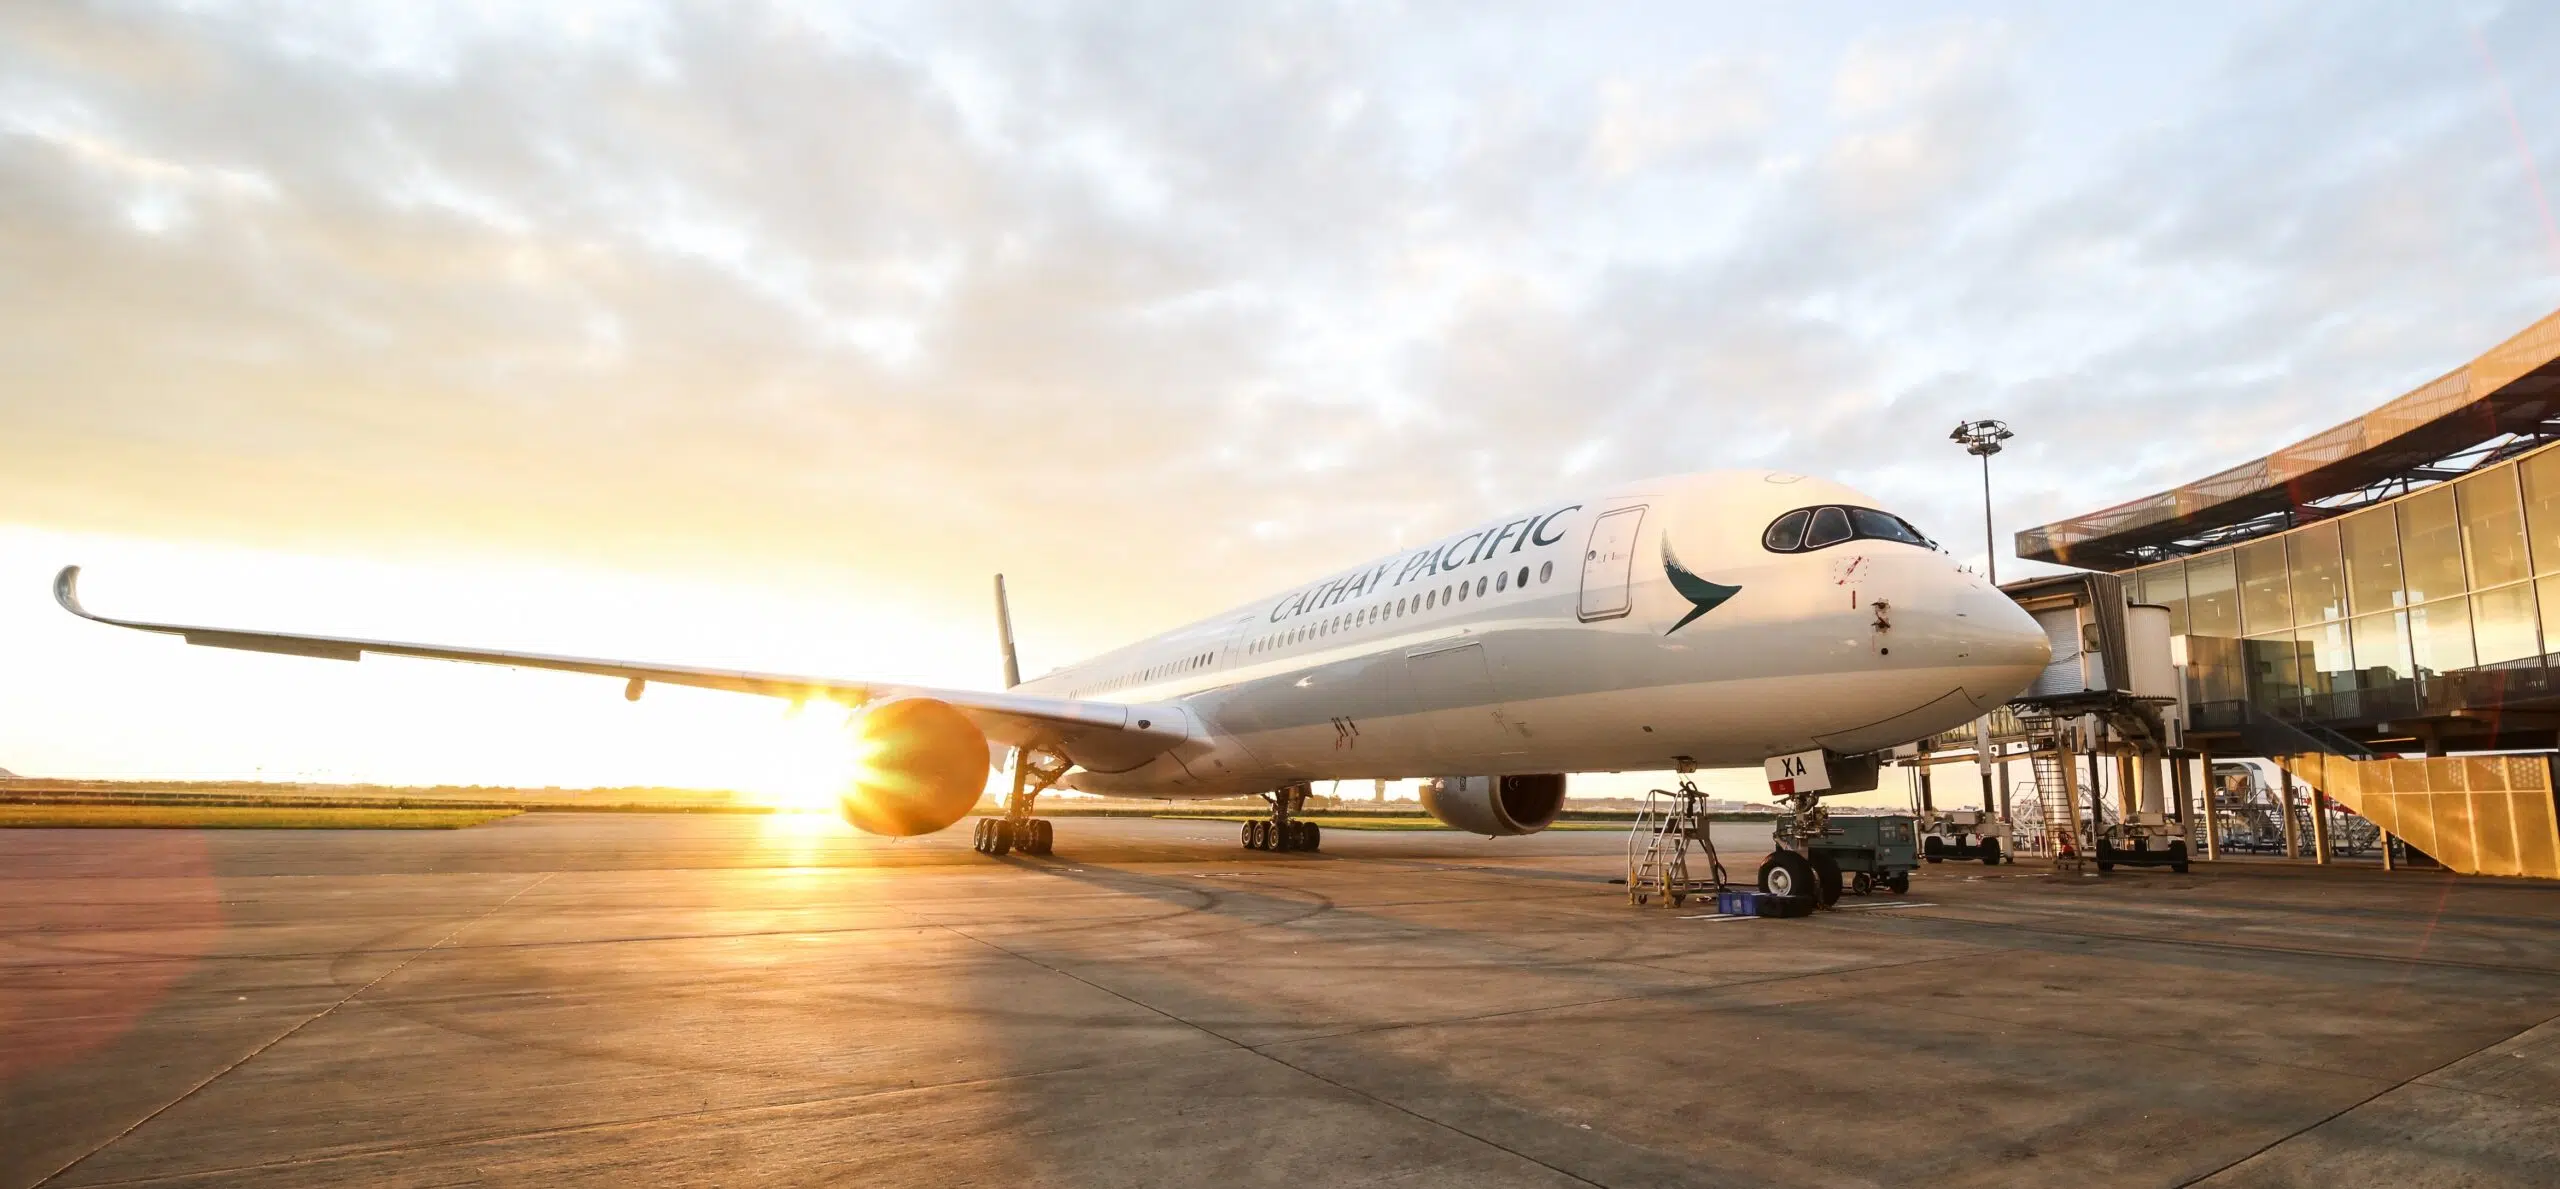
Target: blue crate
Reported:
point(1761, 904)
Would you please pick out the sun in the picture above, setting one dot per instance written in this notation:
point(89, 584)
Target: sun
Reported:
point(804, 763)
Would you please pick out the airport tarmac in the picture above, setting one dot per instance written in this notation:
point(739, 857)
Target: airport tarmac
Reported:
point(701, 999)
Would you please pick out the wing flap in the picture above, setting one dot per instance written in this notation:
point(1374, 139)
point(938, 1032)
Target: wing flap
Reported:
point(327, 650)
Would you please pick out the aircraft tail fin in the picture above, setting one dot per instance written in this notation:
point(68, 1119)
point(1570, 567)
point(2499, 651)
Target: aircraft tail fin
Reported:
point(1004, 634)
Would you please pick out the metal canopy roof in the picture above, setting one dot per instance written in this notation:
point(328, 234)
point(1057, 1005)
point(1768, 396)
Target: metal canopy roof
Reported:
point(2512, 388)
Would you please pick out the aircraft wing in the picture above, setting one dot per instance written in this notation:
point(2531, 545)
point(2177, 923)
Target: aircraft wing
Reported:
point(1111, 736)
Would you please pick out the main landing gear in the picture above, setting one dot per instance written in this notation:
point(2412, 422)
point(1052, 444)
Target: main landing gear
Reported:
point(1033, 773)
point(1282, 830)
point(998, 835)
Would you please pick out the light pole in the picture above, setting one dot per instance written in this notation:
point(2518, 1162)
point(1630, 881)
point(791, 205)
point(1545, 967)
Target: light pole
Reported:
point(1982, 440)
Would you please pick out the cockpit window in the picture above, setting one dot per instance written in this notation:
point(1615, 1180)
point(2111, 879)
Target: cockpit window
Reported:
point(1808, 529)
point(1786, 533)
point(1830, 527)
point(1871, 523)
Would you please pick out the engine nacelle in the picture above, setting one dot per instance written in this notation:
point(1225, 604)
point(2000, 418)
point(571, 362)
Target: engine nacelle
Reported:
point(922, 766)
point(1495, 806)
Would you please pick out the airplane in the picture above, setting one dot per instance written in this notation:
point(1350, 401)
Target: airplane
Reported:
point(1702, 620)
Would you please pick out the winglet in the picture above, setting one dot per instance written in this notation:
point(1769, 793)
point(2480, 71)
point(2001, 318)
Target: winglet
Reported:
point(66, 591)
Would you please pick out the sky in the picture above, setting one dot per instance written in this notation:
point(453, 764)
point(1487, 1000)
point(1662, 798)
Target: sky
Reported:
point(762, 334)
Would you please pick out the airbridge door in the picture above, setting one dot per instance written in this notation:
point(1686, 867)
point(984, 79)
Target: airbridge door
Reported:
point(1608, 564)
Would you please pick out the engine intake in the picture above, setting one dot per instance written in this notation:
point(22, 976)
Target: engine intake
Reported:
point(1495, 806)
point(923, 766)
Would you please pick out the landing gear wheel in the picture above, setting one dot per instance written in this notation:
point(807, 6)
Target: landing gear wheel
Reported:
point(999, 838)
point(1786, 873)
point(1899, 883)
point(1990, 852)
point(978, 836)
point(1032, 836)
point(1862, 884)
point(2178, 856)
point(1314, 841)
point(1249, 835)
point(1826, 875)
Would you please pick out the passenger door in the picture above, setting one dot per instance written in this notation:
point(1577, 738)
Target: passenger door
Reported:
point(1608, 564)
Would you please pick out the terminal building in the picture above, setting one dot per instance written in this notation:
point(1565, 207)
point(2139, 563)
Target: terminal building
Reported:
point(2388, 587)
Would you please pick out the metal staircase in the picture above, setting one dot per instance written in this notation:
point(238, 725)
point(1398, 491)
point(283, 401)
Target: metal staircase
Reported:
point(2476, 815)
point(2265, 734)
point(1658, 848)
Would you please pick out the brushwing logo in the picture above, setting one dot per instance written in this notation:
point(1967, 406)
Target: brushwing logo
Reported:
point(1703, 596)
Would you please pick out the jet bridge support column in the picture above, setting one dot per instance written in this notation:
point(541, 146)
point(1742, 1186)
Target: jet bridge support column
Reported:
point(2212, 816)
point(2097, 800)
point(2319, 827)
point(2284, 803)
point(2185, 800)
point(2066, 763)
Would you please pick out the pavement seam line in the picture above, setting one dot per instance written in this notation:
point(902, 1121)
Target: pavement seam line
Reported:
point(1603, 1001)
point(601, 1125)
point(287, 1034)
point(1391, 1105)
point(2235, 947)
point(1276, 1060)
point(2341, 1112)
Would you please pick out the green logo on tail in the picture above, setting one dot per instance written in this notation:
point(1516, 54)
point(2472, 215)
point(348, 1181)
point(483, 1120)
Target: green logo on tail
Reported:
point(1703, 596)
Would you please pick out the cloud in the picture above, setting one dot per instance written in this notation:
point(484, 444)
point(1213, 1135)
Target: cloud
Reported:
point(1164, 305)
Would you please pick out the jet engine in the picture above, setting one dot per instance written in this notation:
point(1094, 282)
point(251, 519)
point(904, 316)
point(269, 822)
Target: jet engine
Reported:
point(923, 766)
point(1495, 806)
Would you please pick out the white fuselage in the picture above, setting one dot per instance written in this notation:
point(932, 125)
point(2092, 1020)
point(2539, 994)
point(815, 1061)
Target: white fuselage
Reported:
point(1568, 639)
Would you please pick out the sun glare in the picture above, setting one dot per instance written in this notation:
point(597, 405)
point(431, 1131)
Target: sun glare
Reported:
point(804, 763)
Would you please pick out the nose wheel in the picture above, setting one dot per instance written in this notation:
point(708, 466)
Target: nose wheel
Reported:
point(1786, 873)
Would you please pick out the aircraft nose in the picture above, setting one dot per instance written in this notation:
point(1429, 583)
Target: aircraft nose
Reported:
point(2008, 648)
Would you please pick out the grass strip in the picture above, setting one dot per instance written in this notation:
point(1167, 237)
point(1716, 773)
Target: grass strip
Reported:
point(1367, 821)
point(239, 817)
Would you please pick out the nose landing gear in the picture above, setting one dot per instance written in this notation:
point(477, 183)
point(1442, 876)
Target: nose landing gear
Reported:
point(1282, 830)
point(1796, 869)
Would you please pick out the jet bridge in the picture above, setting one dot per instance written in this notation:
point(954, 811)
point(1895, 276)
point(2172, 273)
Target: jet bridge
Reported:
point(2106, 714)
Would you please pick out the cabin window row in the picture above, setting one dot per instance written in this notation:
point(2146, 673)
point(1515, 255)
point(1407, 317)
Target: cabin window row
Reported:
point(1200, 660)
point(1406, 605)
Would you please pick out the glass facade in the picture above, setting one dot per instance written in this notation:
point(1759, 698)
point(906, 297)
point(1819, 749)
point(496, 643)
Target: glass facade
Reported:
point(2492, 530)
point(2213, 600)
point(2430, 546)
point(2372, 551)
point(2266, 599)
point(2319, 578)
point(2442, 597)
